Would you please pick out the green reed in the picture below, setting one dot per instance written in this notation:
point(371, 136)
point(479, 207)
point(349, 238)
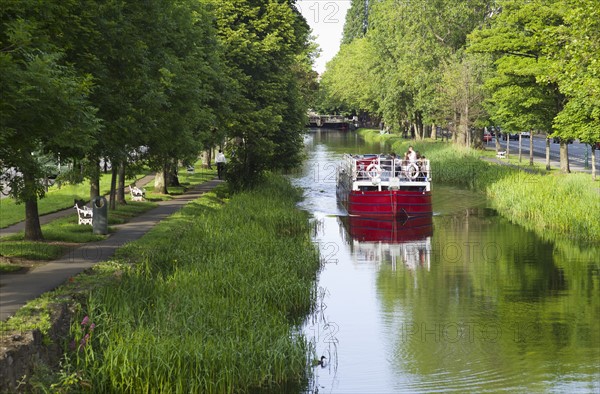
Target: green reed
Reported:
point(211, 302)
point(559, 204)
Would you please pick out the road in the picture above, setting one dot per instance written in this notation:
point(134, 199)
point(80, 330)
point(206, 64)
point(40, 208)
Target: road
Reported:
point(577, 152)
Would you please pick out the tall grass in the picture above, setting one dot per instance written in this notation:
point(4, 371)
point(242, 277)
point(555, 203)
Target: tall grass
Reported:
point(211, 302)
point(564, 205)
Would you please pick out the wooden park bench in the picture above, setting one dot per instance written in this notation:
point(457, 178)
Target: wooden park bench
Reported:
point(137, 194)
point(84, 213)
point(501, 155)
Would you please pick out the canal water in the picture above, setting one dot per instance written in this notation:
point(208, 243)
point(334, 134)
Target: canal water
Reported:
point(467, 302)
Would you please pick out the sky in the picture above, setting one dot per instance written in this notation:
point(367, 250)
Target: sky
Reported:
point(326, 18)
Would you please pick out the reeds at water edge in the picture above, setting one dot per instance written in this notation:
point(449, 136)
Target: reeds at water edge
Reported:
point(211, 300)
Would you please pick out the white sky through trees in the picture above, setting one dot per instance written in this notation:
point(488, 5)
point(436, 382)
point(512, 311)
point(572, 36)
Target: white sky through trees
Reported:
point(326, 19)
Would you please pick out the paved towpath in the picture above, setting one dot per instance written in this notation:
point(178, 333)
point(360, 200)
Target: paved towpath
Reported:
point(17, 289)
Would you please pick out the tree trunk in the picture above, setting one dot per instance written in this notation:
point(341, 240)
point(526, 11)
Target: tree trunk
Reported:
point(433, 131)
point(462, 128)
point(420, 129)
point(520, 147)
point(95, 179)
point(478, 139)
point(498, 136)
point(507, 145)
point(113, 186)
point(94, 187)
point(455, 126)
point(564, 157)
point(174, 174)
point(531, 147)
point(33, 230)
point(593, 162)
point(160, 181)
point(547, 154)
point(208, 158)
point(121, 184)
point(465, 116)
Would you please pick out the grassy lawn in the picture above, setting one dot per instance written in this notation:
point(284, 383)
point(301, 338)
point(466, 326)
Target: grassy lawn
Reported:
point(186, 181)
point(62, 233)
point(56, 199)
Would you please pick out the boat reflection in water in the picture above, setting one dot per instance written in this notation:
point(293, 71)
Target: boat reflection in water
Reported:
point(404, 241)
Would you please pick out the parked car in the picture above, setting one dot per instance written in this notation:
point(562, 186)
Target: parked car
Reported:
point(557, 140)
point(487, 137)
point(510, 136)
point(525, 134)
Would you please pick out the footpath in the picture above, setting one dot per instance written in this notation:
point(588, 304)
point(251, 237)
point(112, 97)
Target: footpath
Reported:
point(17, 289)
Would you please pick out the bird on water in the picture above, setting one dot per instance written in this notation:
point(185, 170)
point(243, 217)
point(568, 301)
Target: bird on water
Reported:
point(322, 362)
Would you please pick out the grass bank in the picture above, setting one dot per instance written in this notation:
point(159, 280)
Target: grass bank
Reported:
point(549, 203)
point(209, 301)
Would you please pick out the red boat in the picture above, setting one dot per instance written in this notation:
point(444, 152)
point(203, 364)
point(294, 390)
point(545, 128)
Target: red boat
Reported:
point(391, 240)
point(381, 185)
point(390, 230)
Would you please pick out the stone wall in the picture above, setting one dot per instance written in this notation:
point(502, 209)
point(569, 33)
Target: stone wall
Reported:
point(20, 352)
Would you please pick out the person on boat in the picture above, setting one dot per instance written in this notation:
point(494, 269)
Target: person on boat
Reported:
point(404, 165)
point(412, 155)
point(420, 161)
point(410, 166)
point(220, 160)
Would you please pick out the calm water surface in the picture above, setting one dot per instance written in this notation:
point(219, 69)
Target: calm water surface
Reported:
point(466, 303)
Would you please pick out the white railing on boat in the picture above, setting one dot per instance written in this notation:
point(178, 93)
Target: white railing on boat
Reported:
point(386, 172)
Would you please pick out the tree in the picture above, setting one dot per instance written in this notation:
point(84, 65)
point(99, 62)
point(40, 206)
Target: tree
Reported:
point(523, 97)
point(462, 94)
point(575, 68)
point(357, 21)
point(348, 78)
point(109, 41)
point(396, 68)
point(262, 42)
point(43, 108)
point(183, 62)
